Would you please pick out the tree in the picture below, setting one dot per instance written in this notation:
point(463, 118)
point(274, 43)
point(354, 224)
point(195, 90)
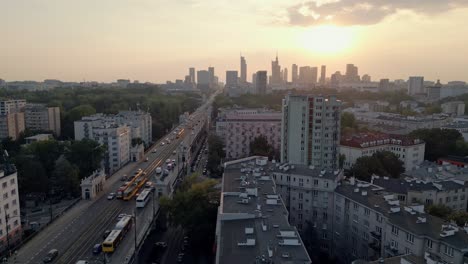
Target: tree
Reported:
point(32, 176)
point(440, 142)
point(66, 177)
point(136, 141)
point(439, 210)
point(461, 218)
point(383, 163)
point(87, 155)
point(260, 147)
point(215, 154)
point(341, 160)
point(195, 209)
point(348, 121)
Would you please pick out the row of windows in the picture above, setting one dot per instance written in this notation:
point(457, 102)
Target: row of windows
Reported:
point(5, 184)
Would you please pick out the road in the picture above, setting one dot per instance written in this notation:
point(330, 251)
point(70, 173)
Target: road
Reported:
point(75, 233)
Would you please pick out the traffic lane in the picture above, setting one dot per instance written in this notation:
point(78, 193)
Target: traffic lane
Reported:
point(173, 237)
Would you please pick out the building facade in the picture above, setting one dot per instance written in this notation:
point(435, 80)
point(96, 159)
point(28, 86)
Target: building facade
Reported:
point(409, 151)
point(42, 118)
point(454, 108)
point(11, 125)
point(261, 82)
point(12, 106)
point(310, 130)
point(117, 139)
point(10, 213)
point(416, 85)
point(239, 127)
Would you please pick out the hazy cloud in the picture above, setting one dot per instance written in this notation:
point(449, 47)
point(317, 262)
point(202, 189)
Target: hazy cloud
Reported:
point(362, 12)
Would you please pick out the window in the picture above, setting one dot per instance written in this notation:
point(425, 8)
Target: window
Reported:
point(366, 223)
point(5, 195)
point(355, 218)
point(365, 236)
point(410, 238)
point(448, 251)
point(378, 229)
point(378, 218)
point(13, 192)
point(407, 251)
point(315, 193)
point(12, 181)
point(394, 230)
point(366, 211)
point(394, 244)
point(356, 206)
point(429, 243)
point(301, 196)
point(325, 216)
point(315, 182)
point(4, 185)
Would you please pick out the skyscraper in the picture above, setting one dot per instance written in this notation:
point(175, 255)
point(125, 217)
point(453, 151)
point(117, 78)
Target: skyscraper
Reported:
point(352, 74)
point(243, 70)
point(366, 78)
point(212, 75)
point(275, 72)
point(323, 74)
point(415, 85)
point(294, 73)
point(285, 75)
point(310, 130)
point(231, 79)
point(305, 75)
point(314, 74)
point(261, 82)
point(192, 74)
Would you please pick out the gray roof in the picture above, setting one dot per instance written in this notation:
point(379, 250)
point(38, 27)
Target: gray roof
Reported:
point(403, 186)
point(306, 170)
point(241, 221)
point(429, 171)
point(405, 220)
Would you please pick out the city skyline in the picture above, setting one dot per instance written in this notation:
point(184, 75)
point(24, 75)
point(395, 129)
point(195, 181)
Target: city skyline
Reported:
point(157, 41)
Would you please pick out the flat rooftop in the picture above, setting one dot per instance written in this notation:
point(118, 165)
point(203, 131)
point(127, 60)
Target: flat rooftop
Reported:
point(253, 222)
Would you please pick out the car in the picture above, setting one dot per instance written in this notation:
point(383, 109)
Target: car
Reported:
point(120, 216)
point(111, 196)
point(180, 258)
point(146, 159)
point(106, 234)
point(153, 151)
point(158, 170)
point(124, 177)
point(174, 152)
point(173, 160)
point(97, 248)
point(162, 143)
point(204, 172)
point(161, 244)
point(168, 161)
point(82, 262)
point(51, 255)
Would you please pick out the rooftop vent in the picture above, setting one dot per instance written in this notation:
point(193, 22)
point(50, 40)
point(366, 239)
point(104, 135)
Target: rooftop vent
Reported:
point(394, 209)
point(356, 190)
point(421, 219)
point(249, 230)
point(364, 193)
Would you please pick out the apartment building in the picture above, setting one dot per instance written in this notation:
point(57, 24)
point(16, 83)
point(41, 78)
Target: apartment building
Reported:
point(310, 130)
point(117, 139)
point(451, 193)
point(370, 223)
point(11, 125)
point(409, 151)
point(454, 108)
point(41, 117)
point(10, 223)
point(307, 193)
point(12, 106)
point(252, 224)
point(239, 127)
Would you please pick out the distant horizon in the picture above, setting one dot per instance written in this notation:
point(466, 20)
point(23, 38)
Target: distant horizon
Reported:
point(158, 40)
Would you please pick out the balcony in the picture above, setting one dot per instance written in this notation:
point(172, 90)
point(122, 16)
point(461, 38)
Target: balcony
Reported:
point(376, 234)
point(375, 245)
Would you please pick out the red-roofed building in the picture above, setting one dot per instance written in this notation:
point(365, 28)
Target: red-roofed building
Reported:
point(409, 151)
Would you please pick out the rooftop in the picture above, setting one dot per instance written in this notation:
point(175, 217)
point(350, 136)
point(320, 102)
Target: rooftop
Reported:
point(430, 171)
point(411, 184)
point(253, 220)
point(298, 169)
point(370, 139)
point(410, 218)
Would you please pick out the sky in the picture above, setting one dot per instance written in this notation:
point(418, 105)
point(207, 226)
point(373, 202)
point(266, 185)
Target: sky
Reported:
point(158, 40)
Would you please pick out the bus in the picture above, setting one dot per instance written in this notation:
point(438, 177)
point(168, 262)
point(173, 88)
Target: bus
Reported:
point(117, 234)
point(139, 182)
point(128, 190)
point(143, 198)
point(112, 241)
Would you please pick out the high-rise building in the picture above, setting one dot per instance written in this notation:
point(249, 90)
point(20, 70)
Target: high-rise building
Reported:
point(310, 130)
point(366, 78)
point(323, 74)
point(384, 85)
point(261, 82)
point(275, 72)
point(12, 106)
point(11, 125)
point(231, 79)
point(294, 73)
point(285, 75)
point(243, 70)
point(192, 74)
point(352, 74)
point(415, 85)
point(10, 213)
point(211, 71)
point(43, 118)
point(306, 75)
point(254, 79)
point(203, 80)
point(314, 74)
point(335, 79)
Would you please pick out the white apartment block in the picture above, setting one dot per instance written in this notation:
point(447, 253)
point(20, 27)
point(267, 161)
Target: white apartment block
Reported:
point(308, 194)
point(239, 127)
point(409, 151)
point(115, 136)
point(370, 223)
point(12, 106)
point(455, 108)
point(10, 221)
point(310, 130)
point(41, 117)
point(118, 142)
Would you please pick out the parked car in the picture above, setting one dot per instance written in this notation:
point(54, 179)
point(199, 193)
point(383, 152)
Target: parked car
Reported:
point(124, 177)
point(158, 170)
point(161, 244)
point(146, 159)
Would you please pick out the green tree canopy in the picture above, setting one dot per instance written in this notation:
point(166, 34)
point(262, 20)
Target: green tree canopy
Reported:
point(441, 142)
point(260, 147)
point(87, 155)
point(382, 163)
point(215, 154)
point(66, 177)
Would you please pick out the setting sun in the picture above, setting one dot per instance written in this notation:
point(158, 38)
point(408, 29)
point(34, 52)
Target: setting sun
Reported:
point(327, 39)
